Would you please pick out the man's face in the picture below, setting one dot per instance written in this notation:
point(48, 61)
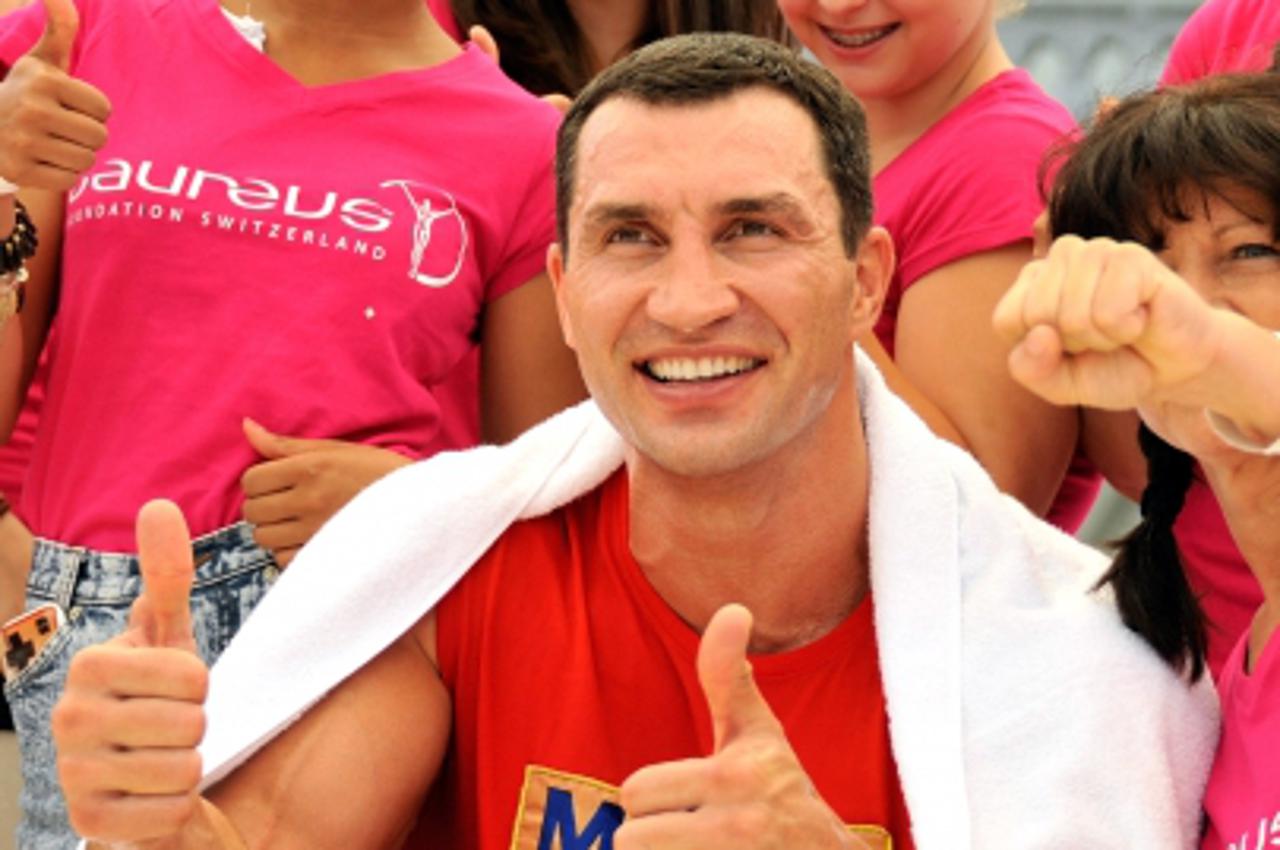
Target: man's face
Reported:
point(707, 291)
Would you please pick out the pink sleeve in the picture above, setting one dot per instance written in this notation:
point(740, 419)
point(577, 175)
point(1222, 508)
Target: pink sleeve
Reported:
point(532, 229)
point(980, 194)
point(1191, 56)
point(1224, 36)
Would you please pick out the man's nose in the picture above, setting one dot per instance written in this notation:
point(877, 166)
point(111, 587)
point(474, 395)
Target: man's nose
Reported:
point(694, 292)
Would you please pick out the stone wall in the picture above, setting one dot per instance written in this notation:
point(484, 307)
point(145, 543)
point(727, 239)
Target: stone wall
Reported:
point(1078, 49)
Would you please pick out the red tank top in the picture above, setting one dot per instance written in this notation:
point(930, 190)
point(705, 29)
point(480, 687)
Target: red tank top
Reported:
point(568, 673)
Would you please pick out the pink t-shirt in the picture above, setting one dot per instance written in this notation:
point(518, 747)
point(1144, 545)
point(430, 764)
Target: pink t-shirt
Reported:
point(314, 258)
point(1217, 572)
point(966, 186)
point(1242, 803)
point(1224, 36)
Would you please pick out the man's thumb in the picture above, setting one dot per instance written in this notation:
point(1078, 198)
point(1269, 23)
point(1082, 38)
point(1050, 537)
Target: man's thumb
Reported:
point(62, 22)
point(735, 702)
point(163, 611)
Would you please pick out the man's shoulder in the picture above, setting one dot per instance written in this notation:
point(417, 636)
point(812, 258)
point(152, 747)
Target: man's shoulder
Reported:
point(554, 540)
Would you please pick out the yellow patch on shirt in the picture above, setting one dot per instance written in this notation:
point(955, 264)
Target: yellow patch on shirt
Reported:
point(564, 811)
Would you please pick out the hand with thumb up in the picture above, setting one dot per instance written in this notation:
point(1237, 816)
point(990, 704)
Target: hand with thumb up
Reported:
point(132, 713)
point(51, 124)
point(751, 792)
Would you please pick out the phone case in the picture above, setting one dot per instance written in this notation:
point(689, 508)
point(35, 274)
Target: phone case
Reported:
point(26, 634)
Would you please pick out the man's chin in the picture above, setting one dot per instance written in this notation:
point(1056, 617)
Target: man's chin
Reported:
point(701, 457)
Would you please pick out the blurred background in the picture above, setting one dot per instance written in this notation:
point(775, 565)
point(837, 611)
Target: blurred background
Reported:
point(1080, 49)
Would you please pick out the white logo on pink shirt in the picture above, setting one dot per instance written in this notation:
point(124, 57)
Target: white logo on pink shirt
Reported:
point(248, 205)
point(1268, 835)
point(427, 216)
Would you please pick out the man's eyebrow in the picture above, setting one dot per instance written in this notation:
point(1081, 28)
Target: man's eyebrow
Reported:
point(609, 213)
point(778, 203)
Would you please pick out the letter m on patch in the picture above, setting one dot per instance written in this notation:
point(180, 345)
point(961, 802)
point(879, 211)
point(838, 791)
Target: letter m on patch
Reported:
point(562, 811)
point(560, 825)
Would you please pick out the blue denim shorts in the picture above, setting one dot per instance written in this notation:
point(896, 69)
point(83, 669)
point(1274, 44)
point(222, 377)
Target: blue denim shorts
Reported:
point(95, 591)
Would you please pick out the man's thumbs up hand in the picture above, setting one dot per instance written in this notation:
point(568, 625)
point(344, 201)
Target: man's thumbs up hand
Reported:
point(738, 709)
point(51, 125)
point(132, 713)
point(751, 792)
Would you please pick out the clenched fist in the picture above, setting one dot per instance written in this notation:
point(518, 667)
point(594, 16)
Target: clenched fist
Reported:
point(1105, 324)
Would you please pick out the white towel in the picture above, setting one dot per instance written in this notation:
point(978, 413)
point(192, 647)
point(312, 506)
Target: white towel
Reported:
point(382, 562)
point(1022, 714)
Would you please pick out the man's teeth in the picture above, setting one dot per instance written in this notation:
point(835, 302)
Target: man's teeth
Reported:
point(700, 368)
point(861, 39)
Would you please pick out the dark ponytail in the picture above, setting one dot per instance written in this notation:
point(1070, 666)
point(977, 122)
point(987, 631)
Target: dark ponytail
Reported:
point(1147, 577)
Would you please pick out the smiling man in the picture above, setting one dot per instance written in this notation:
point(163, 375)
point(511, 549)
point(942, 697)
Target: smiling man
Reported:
point(587, 685)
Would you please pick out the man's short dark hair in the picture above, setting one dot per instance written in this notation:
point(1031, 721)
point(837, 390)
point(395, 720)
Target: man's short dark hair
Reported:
point(699, 68)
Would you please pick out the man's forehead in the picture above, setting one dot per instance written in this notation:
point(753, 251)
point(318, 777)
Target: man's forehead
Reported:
point(754, 143)
point(623, 117)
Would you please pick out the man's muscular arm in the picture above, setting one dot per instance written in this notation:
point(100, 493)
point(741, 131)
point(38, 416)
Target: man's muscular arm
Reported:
point(351, 773)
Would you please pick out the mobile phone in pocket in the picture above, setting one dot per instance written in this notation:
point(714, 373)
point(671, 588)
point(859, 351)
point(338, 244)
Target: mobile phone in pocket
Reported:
point(26, 634)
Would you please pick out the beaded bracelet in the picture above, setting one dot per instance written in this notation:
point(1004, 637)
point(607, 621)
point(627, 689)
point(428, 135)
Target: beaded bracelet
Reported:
point(21, 244)
point(13, 293)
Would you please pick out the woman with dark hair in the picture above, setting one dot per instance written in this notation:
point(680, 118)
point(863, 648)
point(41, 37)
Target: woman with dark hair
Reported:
point(1127, 180)
point(556, 46)
point(1181, 327)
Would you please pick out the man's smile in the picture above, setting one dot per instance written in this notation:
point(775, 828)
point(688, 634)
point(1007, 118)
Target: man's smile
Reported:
point(692, 369)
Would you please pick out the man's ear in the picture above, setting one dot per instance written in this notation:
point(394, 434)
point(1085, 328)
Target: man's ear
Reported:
point(874, 264)
point(555, 271)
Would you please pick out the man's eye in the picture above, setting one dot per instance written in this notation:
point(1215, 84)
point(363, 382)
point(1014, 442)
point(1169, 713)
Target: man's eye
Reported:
point(628, 236)
point(1254, 251)
point(750, 227)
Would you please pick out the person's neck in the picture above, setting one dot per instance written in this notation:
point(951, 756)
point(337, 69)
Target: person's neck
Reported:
point(329, 41)
point(894, 123)
point(609, 28)
point(786, 537)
